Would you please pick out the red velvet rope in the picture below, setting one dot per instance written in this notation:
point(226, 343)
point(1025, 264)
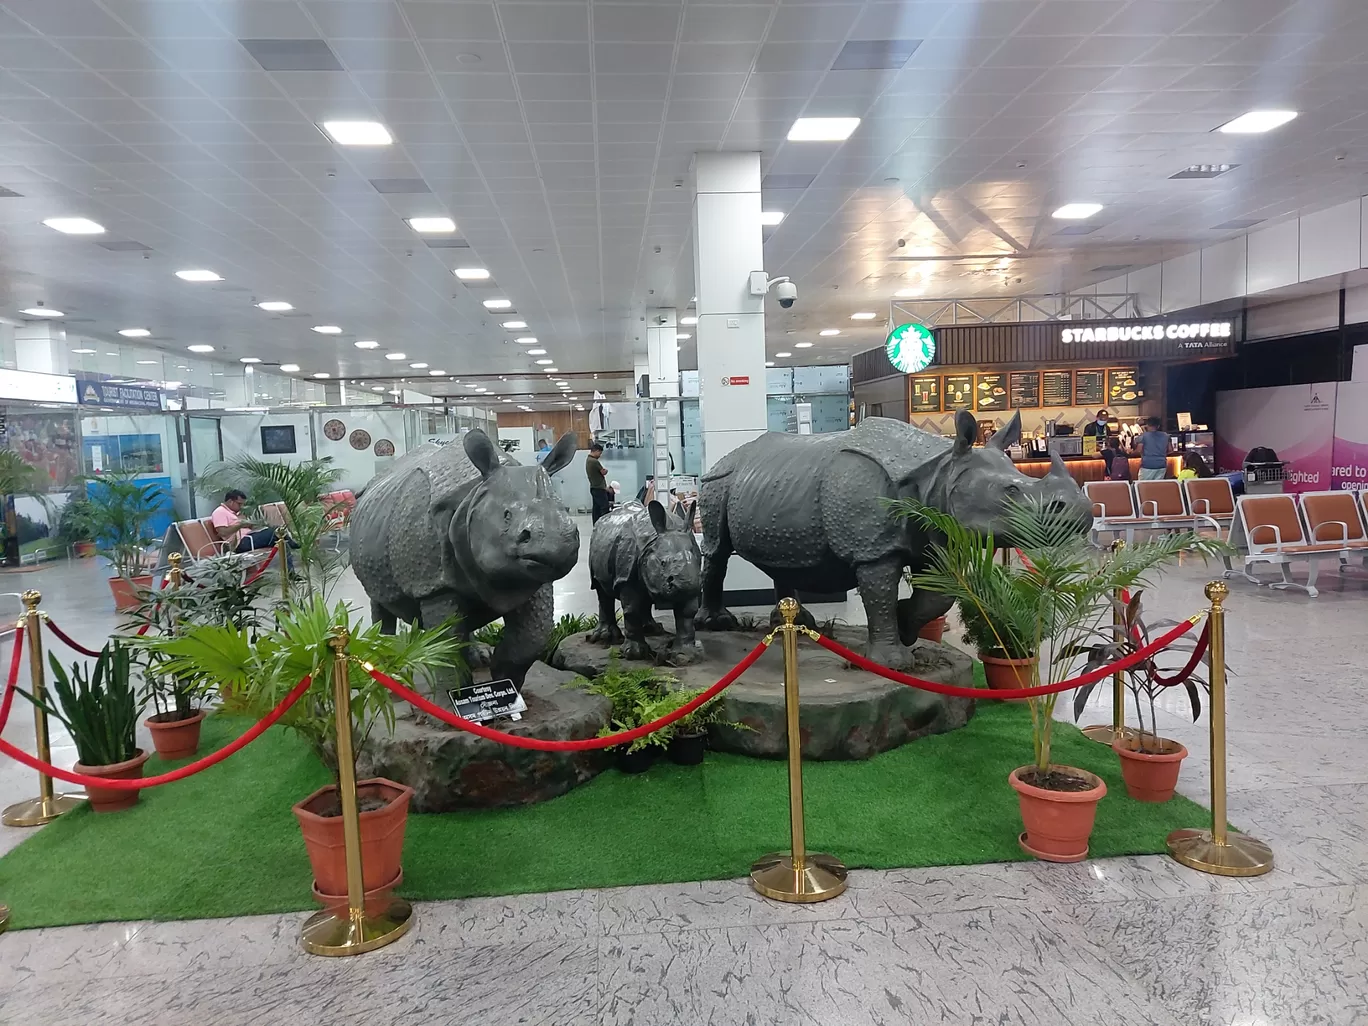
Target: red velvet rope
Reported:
point(517, 741)
point(67, 640)
point(109, 784)
point(1045, 689)
point(13, 680)
point(251, 578)
point(1198, 651)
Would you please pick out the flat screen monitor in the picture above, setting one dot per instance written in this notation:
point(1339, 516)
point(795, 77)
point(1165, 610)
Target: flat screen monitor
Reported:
point(278, 439)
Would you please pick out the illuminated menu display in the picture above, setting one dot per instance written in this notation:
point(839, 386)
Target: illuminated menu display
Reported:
point(1090, 388)
point(959, 392)
point(926, 395)
point(1122, 386)
point(1056, 388)
point(1024, 389)
point(992, 392)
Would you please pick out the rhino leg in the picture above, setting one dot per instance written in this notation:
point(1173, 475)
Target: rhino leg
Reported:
point(607, 632)
point(878, 583)
point(717, 549)
point(805, 617)
point(435, 610)
point(916, 612)
point(526, 631)
point(683, 647)
point(382, 616)
point(636, 611)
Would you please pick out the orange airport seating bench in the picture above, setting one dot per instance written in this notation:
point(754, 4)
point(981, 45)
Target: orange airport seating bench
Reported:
point(1269, 529)
point(1125, 507)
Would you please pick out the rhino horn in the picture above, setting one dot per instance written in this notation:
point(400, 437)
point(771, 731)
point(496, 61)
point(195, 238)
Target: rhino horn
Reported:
point(1057, 468)
point(1009, 435)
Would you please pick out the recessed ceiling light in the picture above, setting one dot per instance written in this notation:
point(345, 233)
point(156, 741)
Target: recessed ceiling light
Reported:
point(74, 225)
point(771, 217)
point(514, 325)
point(828, 332)
point(1257, 121)
point(863, 315)
point(172, 385)
point(148, 363)
point(395, 391)
point(526, 340)
point(545, 363)
point(681, 335)
point(377, 388)
point(83, 352)
point(249, 359)
point(134, 332)
point(802, 345)
point(498, 304)
point(417, 366)
point(42, 311)
point(275, 306)
point(396, 356)
point(551, 370)
point(686, 321)
point(200, 347)
point(199, 274)
point(505, 400)
point(432, 225)
point(769, 363)
point(322, 374)
point(327, 329)
point(471, 273)
point(536, 352)
point(357, 133)
point(289, 368)
point(782, 356)
point(479, 390)
point(1076, 211)
point(366, 343)
point(822, 129)
point(435, 373)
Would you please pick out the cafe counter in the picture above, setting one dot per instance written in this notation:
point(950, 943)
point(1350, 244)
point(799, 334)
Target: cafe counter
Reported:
point(1088, 468)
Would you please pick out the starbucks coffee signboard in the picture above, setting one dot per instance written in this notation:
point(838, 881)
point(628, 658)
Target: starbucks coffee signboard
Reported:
point(1191, 335)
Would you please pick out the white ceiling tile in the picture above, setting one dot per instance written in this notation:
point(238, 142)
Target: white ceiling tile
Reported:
point(632, 58)
point(640, 111)
point(448, 56)
point(360, 55)
point(703, 58)
point(562, 22)
point(550, 57)
point(563, 88)
point(774, 56)
point(358, 19)
point(642, 23)
point(741, 22)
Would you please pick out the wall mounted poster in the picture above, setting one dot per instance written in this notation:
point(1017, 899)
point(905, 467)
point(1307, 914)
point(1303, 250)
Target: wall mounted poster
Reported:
point(926, 395)
point(1349, 468)
point(959, 392)
point(991, 392)
point(1295, 421)
point(1090, 388)
point(1024, 390)
point(1056, 388)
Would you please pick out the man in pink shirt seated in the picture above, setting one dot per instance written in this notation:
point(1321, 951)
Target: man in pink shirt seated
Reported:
point(233, 529)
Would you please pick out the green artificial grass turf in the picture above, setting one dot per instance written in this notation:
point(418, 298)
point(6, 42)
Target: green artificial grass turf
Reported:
point(225, 843)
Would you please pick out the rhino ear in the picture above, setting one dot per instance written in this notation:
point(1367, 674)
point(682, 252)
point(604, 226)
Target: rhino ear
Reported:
point(693, 511)
point(657, 512)
point(482, 452)
point(1009, 435)
point(966, 432)
point(561, 453)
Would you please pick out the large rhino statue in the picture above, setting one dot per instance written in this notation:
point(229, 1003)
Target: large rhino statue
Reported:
point(466, 530)
point(808, 511)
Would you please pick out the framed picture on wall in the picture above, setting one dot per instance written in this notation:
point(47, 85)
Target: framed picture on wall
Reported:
point(278, 440)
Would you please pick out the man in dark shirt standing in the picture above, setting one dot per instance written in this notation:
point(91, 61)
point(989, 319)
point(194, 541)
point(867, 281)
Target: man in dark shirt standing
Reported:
point(600, 499)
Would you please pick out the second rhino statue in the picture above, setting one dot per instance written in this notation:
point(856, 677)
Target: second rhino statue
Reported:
point(644, 558)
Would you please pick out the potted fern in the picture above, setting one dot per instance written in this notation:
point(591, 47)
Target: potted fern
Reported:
point(1058, 599)
point(99, 707)
point(261, 668)
point(632, 693)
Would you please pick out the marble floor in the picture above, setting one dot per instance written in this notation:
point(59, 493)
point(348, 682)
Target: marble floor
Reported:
point(1102, 943)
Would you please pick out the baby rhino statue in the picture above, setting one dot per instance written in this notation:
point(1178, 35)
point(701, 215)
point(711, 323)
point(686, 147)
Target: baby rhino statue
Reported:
point(644, 557)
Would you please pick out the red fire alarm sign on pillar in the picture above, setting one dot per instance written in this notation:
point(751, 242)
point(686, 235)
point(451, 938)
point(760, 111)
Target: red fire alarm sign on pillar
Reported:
point(742, 380)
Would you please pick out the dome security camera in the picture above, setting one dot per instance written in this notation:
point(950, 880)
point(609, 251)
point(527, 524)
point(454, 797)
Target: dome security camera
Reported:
point(787, 293)
point(784, 289)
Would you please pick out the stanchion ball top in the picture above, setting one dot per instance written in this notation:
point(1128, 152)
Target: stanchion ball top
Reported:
point(788, 609)
point(1216, 591)
point(32, 598)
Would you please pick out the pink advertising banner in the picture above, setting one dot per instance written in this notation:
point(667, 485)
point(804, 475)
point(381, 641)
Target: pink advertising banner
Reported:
point(1350, 462)
point(1295, 421)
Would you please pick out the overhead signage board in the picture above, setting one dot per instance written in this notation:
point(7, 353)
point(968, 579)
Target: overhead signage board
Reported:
point(1193, 335)
point(103, 393)
point(37, 388)
point(911, 348)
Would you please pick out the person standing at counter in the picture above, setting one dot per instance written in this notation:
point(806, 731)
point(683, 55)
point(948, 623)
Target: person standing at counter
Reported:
point(600, 499)
point(1118, 463)
point(1098, 428)
point(1152, 447)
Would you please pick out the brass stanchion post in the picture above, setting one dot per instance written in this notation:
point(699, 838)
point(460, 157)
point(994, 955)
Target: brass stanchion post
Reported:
point(47, 806)
point(175, 576)
point(1106, 733)
point(283, 552)
point(799, 876)
point(1218, 850)
point(328, 932)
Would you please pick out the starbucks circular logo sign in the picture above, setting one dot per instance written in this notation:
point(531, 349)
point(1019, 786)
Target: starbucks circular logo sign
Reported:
point(911, 347)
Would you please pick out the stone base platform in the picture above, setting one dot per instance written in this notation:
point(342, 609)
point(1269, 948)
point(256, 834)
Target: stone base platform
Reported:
point(845, 713)
point(450, 769)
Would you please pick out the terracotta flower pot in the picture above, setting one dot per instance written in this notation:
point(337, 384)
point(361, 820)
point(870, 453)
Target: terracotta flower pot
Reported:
point(125, 592)
point(382, 835)
point(1008, 674)
point(107, 799)
point(1058, 823)
point(934, 630)
point(1150, 776)
point(175, 739)
point(375, 900)
point(84, 549)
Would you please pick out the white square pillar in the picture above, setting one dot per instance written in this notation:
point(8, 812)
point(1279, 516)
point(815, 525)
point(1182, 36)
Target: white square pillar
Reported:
point(41, 347)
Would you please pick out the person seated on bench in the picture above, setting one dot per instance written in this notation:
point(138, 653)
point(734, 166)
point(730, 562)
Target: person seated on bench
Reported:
point(236, 531)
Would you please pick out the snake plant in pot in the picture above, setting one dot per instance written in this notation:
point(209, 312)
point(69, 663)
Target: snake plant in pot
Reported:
point(99, 707)
point(261, 668)
point(1058, 598)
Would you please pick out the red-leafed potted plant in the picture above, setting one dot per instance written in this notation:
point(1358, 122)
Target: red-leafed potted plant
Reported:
point(99, 706)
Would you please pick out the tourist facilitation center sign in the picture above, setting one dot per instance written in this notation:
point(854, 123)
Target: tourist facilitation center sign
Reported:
point(128, 397)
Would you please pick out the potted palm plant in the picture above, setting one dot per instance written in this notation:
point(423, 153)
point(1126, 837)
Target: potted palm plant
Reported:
point(1057, 599)
point(1007, 649)
point(119, 517)
point(17, 479)
point(99, 708)
point(261, 668)
point(73, 527)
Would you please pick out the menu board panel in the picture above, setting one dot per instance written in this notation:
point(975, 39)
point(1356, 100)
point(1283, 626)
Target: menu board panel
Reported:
point(1122, 386)
point(1024, 390)
point(1090, 388)
point(992, 392)
point(926, 395)
point(1057, 388)
point(959, 392)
